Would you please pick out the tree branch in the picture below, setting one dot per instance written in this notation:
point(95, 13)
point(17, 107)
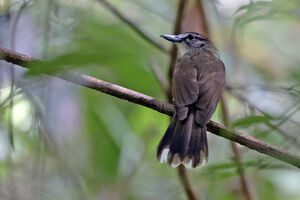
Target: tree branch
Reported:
point(155, 104)
point(133, 25)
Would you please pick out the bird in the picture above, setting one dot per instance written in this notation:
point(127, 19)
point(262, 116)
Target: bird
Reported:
point(197, 85)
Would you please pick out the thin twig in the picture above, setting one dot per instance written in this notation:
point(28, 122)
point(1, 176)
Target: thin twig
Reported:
point(226, 119)
point(288, 116)
point(146, 6)
point(155, 104)
point(237, 155)
point(11, 95)
point(245, 186)
point(13, 186)
point(133, 25)
point(43, 131)
point(186, 183)
point(159, 76)
point(7, 99)
point(293, 139)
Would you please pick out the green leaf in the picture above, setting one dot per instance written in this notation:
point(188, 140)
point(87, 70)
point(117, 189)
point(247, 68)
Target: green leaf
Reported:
point(104, 150)
point(114, 48)
point(253, 6)
point(266, 10)
point(250, 120)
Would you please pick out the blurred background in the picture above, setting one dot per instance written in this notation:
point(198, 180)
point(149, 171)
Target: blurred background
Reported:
point(62, 141)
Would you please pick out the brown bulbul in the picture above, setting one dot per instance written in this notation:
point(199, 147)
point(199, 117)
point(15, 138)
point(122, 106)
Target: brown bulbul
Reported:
point(197, 86)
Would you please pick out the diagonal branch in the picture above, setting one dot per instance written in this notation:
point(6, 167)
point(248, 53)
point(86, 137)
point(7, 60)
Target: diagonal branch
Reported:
point(133, 25)
point(161, 79)
point(155, 104)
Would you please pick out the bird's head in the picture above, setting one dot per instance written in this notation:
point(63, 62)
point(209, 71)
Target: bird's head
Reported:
point(191, 41)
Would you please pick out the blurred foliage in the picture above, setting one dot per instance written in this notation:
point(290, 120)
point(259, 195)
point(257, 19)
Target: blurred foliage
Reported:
point(267, 10)
point(90, 48)
point(249, 121)
point(74, 143)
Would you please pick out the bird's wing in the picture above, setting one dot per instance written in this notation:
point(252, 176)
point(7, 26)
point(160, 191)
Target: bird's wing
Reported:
point(185, 88)
point(210, 92)
point(197, 85)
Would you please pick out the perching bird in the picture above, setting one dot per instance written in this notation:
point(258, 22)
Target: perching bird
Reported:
point(197, 86)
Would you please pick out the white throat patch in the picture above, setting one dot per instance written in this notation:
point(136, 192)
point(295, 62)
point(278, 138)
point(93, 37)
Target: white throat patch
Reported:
point(183, 49)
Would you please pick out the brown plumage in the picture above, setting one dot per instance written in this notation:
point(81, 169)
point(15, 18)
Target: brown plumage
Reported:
point(197, 86)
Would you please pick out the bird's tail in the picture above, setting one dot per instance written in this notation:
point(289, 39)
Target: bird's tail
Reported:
point(184, 142)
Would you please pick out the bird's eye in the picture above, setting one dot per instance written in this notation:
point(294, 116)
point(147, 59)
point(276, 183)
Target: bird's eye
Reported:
point(190, 37)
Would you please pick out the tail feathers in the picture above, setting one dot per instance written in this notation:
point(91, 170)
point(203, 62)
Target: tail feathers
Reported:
point(184, 142)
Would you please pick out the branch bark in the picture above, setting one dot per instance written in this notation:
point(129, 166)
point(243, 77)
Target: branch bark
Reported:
point(155, 104)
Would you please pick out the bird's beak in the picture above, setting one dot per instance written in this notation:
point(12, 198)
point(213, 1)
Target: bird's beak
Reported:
point(172, 38)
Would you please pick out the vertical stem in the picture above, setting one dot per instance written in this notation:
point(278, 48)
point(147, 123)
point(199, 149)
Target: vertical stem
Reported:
point(226, 120)
point(13, 33)
point(204, 25)
point(186, 183)
point(237, 155)
point(13, 185)
point(173, 56)
point(173, 52)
